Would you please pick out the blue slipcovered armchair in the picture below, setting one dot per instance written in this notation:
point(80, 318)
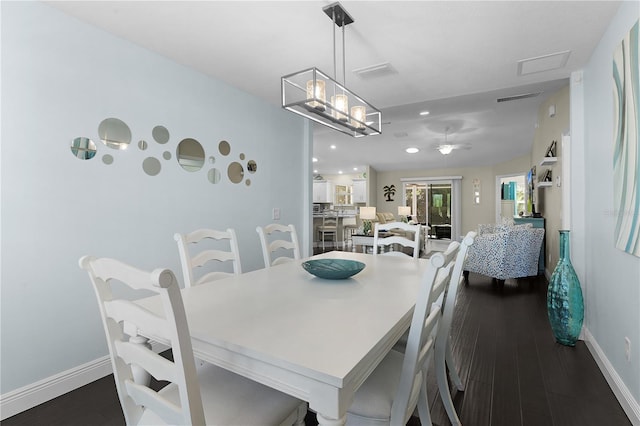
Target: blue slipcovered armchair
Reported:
point(505, 251)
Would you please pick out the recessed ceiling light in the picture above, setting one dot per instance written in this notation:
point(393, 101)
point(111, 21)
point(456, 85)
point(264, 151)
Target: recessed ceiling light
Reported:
point(315, 171)
point(355, 169)
point(332, 147)
point(424, 113)
point(339, 172)
point(314, 159)
point(412, 150)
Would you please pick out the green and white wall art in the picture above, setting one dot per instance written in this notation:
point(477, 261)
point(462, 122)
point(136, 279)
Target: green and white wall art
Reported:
point(626, 153)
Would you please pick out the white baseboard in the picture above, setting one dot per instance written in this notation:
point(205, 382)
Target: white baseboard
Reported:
point(630, 406)
point(29, 396)
point(26, 397)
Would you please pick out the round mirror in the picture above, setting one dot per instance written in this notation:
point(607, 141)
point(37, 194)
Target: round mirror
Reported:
point(212, 159)
point(166, 155)
point(190, 155)
point(151, 166)
point(214, 175)
point(242, 156)
point(252, 166)
point(224, 147)
point(83, 148)
point(160, 134)
point(235, 172)
point(247, 182)
point(114, 133)
point(142, 145)
point(107, 159)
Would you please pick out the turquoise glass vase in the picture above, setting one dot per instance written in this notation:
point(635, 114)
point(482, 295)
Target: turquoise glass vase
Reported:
point(565, 305)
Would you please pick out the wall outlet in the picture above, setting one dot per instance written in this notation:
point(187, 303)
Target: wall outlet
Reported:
point(276, 214)
point(627, 349)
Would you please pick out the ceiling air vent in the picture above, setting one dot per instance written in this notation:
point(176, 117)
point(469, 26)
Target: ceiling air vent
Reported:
point(518, 97)
point(375, 71)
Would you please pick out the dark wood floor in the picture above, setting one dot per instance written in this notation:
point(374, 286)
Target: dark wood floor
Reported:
point(514, 372)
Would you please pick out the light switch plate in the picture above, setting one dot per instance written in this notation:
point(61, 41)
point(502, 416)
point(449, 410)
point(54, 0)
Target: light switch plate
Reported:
point(276, 214)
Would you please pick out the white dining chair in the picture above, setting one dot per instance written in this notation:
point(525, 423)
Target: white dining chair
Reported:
point(391, 393)
point(443, 351)
point(403, 234)
point(444, 355)
point(276, 240)
point(207, 256)
point(212, 395)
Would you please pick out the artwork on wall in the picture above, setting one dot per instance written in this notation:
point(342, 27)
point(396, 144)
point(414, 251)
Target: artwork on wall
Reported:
point(190, 153)
point(389, 191)
point(626, 150)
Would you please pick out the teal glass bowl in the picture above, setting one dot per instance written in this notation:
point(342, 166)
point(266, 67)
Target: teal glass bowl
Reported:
point(333, 269)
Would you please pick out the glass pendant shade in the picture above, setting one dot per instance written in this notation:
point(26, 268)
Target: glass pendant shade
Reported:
point(316, 94)
point(340, 105)
point(358, 114)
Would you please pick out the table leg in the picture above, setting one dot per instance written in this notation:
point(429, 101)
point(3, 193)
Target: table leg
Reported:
point(140, 375)
point(325, 421)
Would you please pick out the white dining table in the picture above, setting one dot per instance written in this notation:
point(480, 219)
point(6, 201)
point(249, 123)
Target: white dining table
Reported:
point(312, 338)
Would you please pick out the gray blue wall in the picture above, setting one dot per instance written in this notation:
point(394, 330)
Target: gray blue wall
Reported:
point(611, 277)
point(60, 79)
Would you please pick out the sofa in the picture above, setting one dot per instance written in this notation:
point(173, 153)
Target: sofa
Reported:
point(505, 251)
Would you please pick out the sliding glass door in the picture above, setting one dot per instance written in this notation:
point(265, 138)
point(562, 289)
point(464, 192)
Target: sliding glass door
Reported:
point(435, 202)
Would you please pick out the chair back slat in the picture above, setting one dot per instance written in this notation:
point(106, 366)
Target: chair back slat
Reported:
point(274, 238)
point(156, 365)
point(206, 257)
point(151, 400)
point(129, 318)
point(135, 317)
point(397, 238)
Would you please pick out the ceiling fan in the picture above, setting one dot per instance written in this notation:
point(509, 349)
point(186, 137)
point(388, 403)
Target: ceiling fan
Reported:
point(447, 148)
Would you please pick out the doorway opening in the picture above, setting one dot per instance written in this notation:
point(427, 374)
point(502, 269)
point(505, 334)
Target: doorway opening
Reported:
point(510, 195)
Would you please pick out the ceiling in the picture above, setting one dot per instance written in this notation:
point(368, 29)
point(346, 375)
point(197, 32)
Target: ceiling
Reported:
point(452, 58)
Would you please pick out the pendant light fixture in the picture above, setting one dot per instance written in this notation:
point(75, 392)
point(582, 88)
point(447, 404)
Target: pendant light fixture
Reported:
point(311, 93)
point(446, 148)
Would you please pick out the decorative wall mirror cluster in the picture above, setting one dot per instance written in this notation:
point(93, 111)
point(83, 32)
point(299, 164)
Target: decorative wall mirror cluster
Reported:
point(190, 154)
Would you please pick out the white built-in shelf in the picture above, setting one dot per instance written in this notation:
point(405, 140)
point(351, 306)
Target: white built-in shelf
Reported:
point(547, 161)
point(544, 184)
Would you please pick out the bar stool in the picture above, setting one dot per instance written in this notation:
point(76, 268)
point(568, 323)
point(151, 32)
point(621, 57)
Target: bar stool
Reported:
point(349, 227)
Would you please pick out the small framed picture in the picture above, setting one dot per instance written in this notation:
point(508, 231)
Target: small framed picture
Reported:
point(551, 151)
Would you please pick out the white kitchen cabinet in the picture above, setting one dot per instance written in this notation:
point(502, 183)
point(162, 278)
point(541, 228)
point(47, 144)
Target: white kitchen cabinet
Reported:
point(359, 191)
point(322, 192)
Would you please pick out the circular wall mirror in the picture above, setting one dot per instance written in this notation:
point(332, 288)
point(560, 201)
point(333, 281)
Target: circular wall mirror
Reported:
point(214, 175)
point(114, 133)
point(190, 155)
point(142, 145)
point(247, 182)
point(166, 155)
point(224, 147)
point(235, 172)
point(83, 148)
point(151, 166)
point(212, 159)
point(107, 159)
point(160, 134)
point(242, 156)
point(252, 166)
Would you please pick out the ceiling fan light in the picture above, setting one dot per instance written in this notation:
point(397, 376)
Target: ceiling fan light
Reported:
point(445, 149)
point(412, 150)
